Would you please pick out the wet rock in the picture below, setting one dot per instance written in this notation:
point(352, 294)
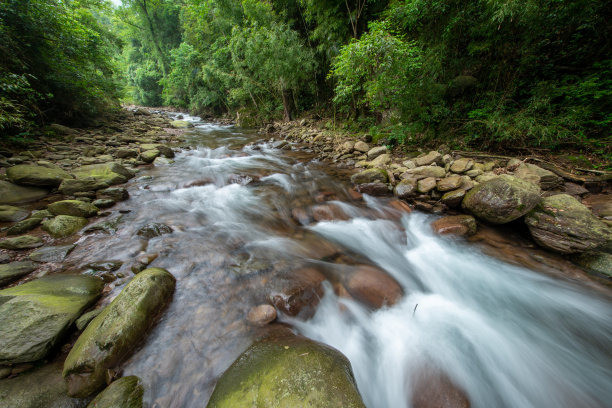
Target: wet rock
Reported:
point(595, 262)
point(12, 271)
point(110, 337)
point(370, 176)
point(301, 216)
point(165, 151)
point(110, 173)
point(85, 319)
point(455, 224)
point(449, 183)
point(32, 175)
point(261, 315)
point(453, 198)
point(154, 229)
point(22, 242)
point(361, 147)
point(298, 293)
point(63, 225)
point(52, 253)
point(546, 179)
point(9, 213)
point(327, 212)
point(433, 389)
point(181, 124)
point(11, 193)
point(461, 165)
point(24, 226)
point(290, 371)
point(400, 206)
point(42, 214)
point(405, 189)
point(372, 286)
point(374, 189)
point(41, 387)
point(103, 202)
point(125, 153)
point(34, 316)
point(76, 208)
point(563, 224)
point(502, 199)
point(376, 151)
point(114, 193)
point(108, 227)
point(104, 266)
point(125, 392)
point(429, 158)
point(162, 161)
point(149, 155)
point(426, 185)
point(72, 186)
point(575, 189)
point(425, 171)
point(142, 262)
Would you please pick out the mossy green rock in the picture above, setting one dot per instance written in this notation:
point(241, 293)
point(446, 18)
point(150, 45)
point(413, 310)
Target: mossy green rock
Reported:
point(22, 242)
point(32, 175)
point(502, 199)
point(287, 372)
point(110, 337)
point(110, 173)
point(75, 208)
point(9, 213)
point(63, 225)
point(71, 186)
point(563, 224)
point(595, 262)
point(24, 226)
point(41, 387)
point(149, 155)
point(15, 270)
point(181, 124)
point(35, 315)
point(126, 392)
point(370, 176)
point(11, 193)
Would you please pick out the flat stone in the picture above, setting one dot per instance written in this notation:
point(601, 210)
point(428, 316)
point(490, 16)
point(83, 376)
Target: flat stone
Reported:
point(52, 253)
point(261, 315)
point(154, 229)
point(455, 224)
point(149, 155)
point(376, 151)
point(9, 213)
point(453, 198)
point(76, 208)
point(546, 179)
point(426, 185)
point(71, 186)
point(63, 225)
point(11, 193)
point(38, 176)
point(427, 171)
point(24, 226)
point(362, 147)
point(12, 271)
point(373, 189)
point(181, 124)
point(110, 173)
point(115, 193)
point(449, 183)
point(381, 160)
point(103, 202)
point(370, 176)
point(429, 158)
point(22, 242)
point(461, 165)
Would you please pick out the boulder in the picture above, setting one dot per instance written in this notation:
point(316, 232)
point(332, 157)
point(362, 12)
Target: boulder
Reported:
point(34, 316)
point(381, 160)
point(595, 262)
point(71, 186)
point(290, 371)
point(39, 176)
point(110, 173)
point(76, 208)
point(261, 315)
point(126, 392)
point(502, 199)
point(455, 224)
point(149, 155)
point(110, 337)
point(461, 165)
point(361, 147)
point(432, 388)
point(370, 176)
point(372, 286)
point(63, 225)
point(51, 253)
point(425, 171)
point(453, 198)
point(9, 213)
point(426, 185)
point(449, 183)
point(115, 193)
point(373, 189)
point(429, 158)
point(181, 124)
point(154, 229)
point(22, 242)
point(405, 189)
point(125, 153)
point(12, 271)
point(11, 193)
point(546, 179)
point(376, 151)
point(563, 224)
point(24, 226)
point(103, 202)
point(299, 292)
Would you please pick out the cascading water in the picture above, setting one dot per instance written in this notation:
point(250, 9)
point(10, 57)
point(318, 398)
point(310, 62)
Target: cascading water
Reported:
point(507, 336)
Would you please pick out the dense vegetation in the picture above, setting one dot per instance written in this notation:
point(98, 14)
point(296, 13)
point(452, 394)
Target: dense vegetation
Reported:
point(485, 73)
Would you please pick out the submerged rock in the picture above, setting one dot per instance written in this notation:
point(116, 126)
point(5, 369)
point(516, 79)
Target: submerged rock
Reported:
point(433, 389)
point(110, 337)
point(261, 315)
point(126, 392)
point(11, 193)
point(502, 199)
point(63, 225)
point(455, 224)
point(75, 208)
point(372, 286)
point(32, 175)
point(288, 372)
point(154, 229)
point(35, 315)
point(22, 242)
point(563, 224)
point(15, 270)
point(299, 292)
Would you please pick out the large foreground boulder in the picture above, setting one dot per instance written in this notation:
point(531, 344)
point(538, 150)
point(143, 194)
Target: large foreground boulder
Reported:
point(109, 173)
point(32, 175)
point(288, 372)
point(565, 225)
point(35, 315)
point(11, 193)
point(110, 337)
point(126, 392)
point(502, 199)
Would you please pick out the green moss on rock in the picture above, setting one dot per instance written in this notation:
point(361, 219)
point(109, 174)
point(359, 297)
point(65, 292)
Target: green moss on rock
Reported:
point(126, 392)
point(75, 208)
point(63, 225)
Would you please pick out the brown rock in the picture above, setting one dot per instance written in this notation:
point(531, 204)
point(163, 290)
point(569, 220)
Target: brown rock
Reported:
point(426, 185)
point(433, 389)
point(461, 165)
point(453, 198)
point(455, 224)
point(449, 183)
point(373, 189)
point(326, 212)
point(301, 215)
point(372, 286)
point(299, 293)
point(261, 315)
point(429, 158)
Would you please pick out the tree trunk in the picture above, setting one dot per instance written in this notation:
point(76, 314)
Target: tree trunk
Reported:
point(288, 107)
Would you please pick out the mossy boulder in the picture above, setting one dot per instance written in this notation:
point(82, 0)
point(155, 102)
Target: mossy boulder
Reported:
point(22, 242)
point(595, 262)
point(11, 193)
point(126, 392)
point(563, 224)
point(9, 213)
point(502, 199)
point(370, 176)
point(15, 270)
point(52, 253)
point(149, 155)
point(71, 186)
point(76, 208)
point(24, 226)
point(110, 173)
point(32, 175)
point(181, 124)
point(110, 337)
point(63, 225)
point(288, 372)
point(35, 315)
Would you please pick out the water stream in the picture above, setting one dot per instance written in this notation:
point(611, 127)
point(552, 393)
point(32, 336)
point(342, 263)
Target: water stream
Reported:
point(508, 336)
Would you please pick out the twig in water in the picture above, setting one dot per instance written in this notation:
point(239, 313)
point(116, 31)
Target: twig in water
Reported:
point(414, 311)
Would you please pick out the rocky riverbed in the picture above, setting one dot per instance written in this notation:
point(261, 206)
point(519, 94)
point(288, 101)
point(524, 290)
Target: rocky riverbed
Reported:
point(69, 326)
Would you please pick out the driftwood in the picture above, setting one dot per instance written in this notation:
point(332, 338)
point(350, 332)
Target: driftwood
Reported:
point(576, 178)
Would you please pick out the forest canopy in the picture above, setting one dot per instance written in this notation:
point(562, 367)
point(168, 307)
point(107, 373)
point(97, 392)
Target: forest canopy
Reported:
point(485, 73)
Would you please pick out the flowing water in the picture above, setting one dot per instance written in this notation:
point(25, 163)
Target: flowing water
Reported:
point(507, 336)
